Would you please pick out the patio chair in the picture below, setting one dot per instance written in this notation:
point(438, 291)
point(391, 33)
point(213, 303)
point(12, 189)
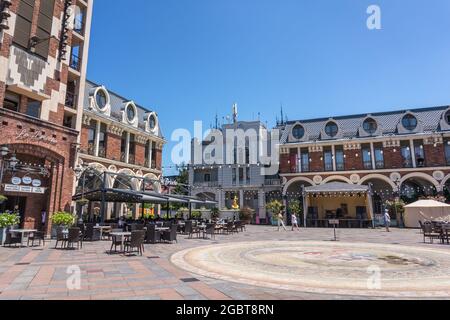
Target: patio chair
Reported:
point(429, 232)
point(189, 229)
point(116, 240)
point(60, 237)
point(230, 228)
point(136, 227)
point(167, 224)
point(36, 236)
point(152, 235)
point(210, 230)
point(13, 238)
point(73, 237)
point(136, 242)
point(91, 233)
point(170, 236)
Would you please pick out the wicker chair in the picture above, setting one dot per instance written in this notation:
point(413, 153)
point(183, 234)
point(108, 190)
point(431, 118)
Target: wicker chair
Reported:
point(60, 237)
point(136, 242)
point(152, 235)
point(73, 237)
point(36, 236)
point(429, 232)
point(13, 239)
point(210, 230)
point(170, 236)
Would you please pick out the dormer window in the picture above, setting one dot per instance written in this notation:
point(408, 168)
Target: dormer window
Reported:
point(152, 122)
point(409, 122)
point(298, 132)
point(331, 129)
point(130, 113)
point(370, 126)
point(101, 99)
point(447, 117)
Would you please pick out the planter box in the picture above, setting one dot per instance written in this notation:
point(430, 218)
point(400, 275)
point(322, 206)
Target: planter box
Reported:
point(2, 236)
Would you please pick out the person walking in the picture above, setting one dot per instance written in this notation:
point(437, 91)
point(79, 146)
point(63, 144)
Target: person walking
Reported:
point(281, 221)
point(387, 220)
point(43, 218)
point(295, 223)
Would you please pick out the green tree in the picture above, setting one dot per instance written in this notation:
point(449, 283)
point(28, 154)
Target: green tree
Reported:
point(275, 207)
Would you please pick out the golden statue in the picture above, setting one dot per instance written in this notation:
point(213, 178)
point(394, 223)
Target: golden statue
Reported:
point(235, 205)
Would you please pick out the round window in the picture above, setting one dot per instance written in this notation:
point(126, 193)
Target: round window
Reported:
point(101, 99)
point(298, 132)
point(152, 122)
point(331, 129)
point(131, 113)
point(409, 122)
point(370, 126)
point(447, 117)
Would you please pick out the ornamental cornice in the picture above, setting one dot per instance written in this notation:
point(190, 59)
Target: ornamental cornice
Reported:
point(433, 140)
point(352, 146)
point(316, 149)
point(142, 139)
point(391, 144)
point(87, 120)
point(114, 129)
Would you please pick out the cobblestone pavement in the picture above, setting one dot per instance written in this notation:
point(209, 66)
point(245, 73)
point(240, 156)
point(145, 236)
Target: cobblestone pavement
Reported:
point(42, 273)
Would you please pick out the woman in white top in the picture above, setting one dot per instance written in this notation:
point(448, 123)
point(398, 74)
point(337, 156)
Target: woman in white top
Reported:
point(295, 223)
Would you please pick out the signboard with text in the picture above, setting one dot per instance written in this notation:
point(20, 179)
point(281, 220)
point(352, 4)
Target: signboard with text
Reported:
point(24, 189)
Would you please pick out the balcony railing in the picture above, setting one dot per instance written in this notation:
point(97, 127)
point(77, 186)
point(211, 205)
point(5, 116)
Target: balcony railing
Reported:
point(75, 62)
point(272, 182)
point(122, 156)
point(207, 184)
point(71, 100)
point(368, 165)
point(131, 159)
point(379, 164)
point(91, 149)
point(102, 152)
point(328, 167)
point(340, 166)
point(407, 163)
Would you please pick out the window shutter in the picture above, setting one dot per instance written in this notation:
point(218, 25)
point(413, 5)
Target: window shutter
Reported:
point(44, 27)
point(23, 23)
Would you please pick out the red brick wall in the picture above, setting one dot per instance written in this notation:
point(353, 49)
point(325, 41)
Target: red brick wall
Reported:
point(113, 146)
point(84, 138)
point(435, 156)
point(351, 161)
point(316, 164)
point(158, 159)
point(393, 160)
point(140, 154)
point(284, 163)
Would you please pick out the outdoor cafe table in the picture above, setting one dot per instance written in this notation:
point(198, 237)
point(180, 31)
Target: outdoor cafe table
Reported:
point(102, 229)
point(122, 236)
point(22, 233)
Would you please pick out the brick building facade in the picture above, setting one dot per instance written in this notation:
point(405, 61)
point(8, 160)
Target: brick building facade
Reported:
point(404, 153)
point(43, 58)
point(122, 138)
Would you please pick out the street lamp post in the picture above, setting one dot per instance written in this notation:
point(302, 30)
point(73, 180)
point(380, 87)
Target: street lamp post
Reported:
point(396, 200)
point(3, 153)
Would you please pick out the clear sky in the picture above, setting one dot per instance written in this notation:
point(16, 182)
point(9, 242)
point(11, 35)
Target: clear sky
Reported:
point(191, 59)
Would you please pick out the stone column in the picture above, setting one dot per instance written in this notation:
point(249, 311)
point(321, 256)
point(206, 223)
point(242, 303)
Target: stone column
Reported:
point(127, 148)
point(97, 137)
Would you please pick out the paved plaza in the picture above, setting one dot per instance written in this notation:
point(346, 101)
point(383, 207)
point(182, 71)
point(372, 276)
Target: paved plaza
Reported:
point(259, 264)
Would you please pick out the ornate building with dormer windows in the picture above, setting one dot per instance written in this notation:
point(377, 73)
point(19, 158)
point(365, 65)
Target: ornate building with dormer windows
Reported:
point(120, 137)
point(398, 154)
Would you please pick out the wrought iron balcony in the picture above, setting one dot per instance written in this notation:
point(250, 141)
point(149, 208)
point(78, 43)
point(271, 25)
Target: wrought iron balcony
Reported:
point(75, 62)
point(71, 100)
point(368, 165)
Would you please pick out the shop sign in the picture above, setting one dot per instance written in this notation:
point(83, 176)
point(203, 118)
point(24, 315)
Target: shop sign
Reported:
point(16, 181)
point(36, 136)
point(37, 183)
point(24, 189)
point(27, 180)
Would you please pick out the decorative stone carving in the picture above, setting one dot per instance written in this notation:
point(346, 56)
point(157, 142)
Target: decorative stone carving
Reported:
point(317, 179)
point(391, 144)
point(142, 139)
point(439, 175)
point(114, 129)
point(284, 150)
point(395, 176)
point(433, 140)
point(315, 149)
point(86, 120)
point(355, 178)
point(352, 146)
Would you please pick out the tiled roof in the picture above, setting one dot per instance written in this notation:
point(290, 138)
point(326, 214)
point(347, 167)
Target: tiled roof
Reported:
point(388, 121)
point(117, 103)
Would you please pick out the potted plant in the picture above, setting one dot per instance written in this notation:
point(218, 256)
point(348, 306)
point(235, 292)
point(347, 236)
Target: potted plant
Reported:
point(276, 208)
point(215, 213)
point(196, 215)
point(246, 214)
point(62, 221)
point(7, 220)
point(82, 202)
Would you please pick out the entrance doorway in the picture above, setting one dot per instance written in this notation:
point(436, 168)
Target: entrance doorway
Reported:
point(16, 204)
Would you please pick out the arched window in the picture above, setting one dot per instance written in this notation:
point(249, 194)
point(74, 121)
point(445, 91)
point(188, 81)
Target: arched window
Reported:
point(409, 122)
point(370, 126)
point(331, 129)
point(131, 113)
point(298, 132)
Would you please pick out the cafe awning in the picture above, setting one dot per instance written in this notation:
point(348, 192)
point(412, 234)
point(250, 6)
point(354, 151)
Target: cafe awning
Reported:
point(337, 187)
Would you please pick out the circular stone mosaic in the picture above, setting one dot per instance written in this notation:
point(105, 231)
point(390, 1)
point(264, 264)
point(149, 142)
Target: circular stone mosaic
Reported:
point(357, 269)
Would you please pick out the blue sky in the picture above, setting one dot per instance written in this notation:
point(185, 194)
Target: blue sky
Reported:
point(191, 59)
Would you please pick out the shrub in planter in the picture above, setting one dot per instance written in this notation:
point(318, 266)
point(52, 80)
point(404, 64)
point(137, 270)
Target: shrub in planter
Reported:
point(63, 219)
point(196, 214)
point(276, 208)
point(7, 220)
point(246, 214)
